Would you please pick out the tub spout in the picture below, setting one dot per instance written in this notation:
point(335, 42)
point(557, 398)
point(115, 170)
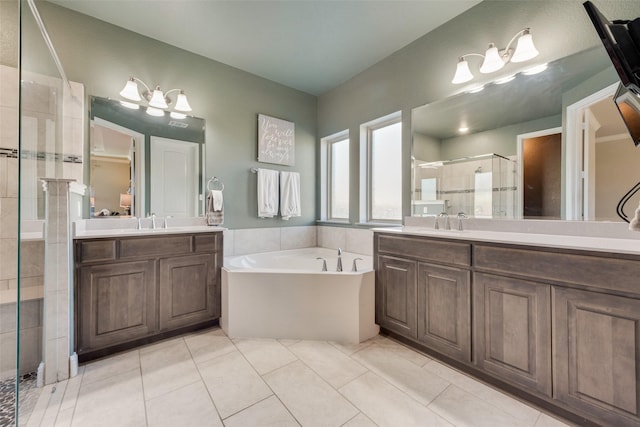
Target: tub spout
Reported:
point(339, 266)
point(324, 264)
point(354, 268)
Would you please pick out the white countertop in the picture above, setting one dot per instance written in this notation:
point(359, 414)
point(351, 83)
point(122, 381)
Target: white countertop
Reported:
point(122, 232)
point(599, 244)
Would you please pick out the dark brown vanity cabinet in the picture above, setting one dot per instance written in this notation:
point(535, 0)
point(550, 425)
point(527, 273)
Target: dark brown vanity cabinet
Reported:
point(559, 327)
point(421, 300)
point(134, 290)
point(512, 324)
point(597, 354)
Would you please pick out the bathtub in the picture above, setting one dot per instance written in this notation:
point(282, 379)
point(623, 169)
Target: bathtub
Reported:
point(285, 295)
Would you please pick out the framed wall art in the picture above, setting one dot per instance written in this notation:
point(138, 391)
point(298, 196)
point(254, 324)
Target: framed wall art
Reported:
point(276, 140)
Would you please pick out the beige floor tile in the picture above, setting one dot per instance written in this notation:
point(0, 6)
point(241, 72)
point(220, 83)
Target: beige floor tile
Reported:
point(208, 345)
point(399, 349)
point(417, 382)
point(360, 420)
point(288, 342)
point(350, 349)
point(327, 361)
point(184, 407)
point(465, 409)
point(55, 400)
point(113, 401)
point(547, 421)
point(309, 398)
point(166, 368)
point(232, 383)
point(265, 355)
point(38, 412)
point(269, 412)
point(386, 405)
point(72, 390)
point(110, 366)
point(508, 404)
point(64, 418)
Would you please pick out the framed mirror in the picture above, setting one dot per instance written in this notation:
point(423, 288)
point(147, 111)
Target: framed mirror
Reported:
point(142, 164)
point(508, 150)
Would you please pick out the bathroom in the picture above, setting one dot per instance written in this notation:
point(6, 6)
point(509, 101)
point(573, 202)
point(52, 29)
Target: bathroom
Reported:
point(230, 99)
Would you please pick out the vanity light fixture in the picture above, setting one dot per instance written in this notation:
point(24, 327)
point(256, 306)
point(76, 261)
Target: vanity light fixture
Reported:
point(535, 70)
point(157, 99)
point(494, 59)
point(505, 79)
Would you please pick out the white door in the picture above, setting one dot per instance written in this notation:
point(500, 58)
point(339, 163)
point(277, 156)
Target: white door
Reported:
point(174, 177)
point(590, 126)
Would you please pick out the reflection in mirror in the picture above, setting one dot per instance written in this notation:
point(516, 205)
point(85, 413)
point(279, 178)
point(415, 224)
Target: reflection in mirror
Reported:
point(521, 123)
point(142, 164)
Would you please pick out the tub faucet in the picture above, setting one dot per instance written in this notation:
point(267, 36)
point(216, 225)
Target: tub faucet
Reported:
point(324, 263)
point(354, 267)
point(339, 266)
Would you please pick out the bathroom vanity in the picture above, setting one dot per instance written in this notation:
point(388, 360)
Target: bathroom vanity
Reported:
point(138, 286)
point(558, 325)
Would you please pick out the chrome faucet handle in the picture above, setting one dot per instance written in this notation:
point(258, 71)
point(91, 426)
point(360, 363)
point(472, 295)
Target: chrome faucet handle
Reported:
point(339, 251)
point(447, 224)
point(354, 267)
point(461, 216)
point(139, 227)
point(324, 263)
point(166, 224)
point(153, 220)
point(436, 224)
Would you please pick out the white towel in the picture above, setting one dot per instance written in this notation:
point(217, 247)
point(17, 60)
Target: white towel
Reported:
point(267, 193)
point(214, 211)
point(289, 194)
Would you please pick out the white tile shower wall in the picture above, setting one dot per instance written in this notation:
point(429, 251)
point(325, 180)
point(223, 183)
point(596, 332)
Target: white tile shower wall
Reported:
point(332, 237)
point(297, 237)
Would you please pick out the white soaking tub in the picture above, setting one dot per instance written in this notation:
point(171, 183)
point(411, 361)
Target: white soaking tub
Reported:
point(286, 295)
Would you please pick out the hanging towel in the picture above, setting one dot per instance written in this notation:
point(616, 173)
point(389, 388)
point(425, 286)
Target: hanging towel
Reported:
point(214, 211)
point(289, 194)
point(267, 193)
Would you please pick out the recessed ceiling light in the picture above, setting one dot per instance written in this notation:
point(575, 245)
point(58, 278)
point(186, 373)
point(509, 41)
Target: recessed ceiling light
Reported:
point(463, 129)
point(476, 89)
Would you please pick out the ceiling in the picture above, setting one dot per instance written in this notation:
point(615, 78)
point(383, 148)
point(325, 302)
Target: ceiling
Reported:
point(309, 45)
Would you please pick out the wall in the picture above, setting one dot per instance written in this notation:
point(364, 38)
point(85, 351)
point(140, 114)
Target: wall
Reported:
point(103, 56)
point(616, 174)
point(112, 175)
point(421, 72)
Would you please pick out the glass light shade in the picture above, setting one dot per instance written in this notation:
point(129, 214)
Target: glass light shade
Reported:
point(155, 112)
point(125, 200)
point(178, 116)
point(492, 60)
point(525, 50)
point(129, 105)
point(463, 73)
point(157, 99)
point(535, 70)
point(181, 103)
point(130, 91)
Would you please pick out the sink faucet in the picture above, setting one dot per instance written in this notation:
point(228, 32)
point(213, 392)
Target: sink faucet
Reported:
point(324, 263)
point(354, 267)
point(447, 224)
point(139, 224)
point(165, 224)
point(339, 266)
point(461, 215)
point(153, 220)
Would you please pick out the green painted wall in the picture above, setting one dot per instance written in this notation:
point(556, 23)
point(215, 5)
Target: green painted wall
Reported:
point(421, 72)
point(102, 57)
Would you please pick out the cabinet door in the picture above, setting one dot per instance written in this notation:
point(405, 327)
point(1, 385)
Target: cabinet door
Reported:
point(187, 286)
point(117, 303)
point(597, 355)
point(512, 330)
point(444, 310)
point(396, 295)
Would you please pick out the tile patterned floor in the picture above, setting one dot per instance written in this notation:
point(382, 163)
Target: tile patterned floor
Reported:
point(28, 397)
point(206, 379)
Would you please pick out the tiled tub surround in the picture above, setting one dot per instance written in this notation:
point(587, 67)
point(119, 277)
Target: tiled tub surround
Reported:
point(286, 295)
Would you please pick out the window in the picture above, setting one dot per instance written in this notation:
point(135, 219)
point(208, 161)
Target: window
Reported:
point(335, 179)
point(383, 157)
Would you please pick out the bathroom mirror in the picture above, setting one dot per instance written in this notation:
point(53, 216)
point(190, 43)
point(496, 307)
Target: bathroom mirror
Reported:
point(499, 152)
point(141, 164)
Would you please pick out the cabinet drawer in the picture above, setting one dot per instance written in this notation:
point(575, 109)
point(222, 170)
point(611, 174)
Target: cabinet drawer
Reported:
point(584, 270)
point(206, 242)
point(96, 250)
point(425, 249)
point(152, 246)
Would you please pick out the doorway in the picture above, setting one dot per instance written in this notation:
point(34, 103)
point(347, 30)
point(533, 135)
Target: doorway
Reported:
point(540, 174)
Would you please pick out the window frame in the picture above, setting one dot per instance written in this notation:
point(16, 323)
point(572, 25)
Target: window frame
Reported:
point(327, 172)
point(366, 172)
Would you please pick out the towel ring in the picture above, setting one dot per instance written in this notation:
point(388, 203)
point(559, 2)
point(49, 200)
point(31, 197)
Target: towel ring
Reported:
point(214, 184)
